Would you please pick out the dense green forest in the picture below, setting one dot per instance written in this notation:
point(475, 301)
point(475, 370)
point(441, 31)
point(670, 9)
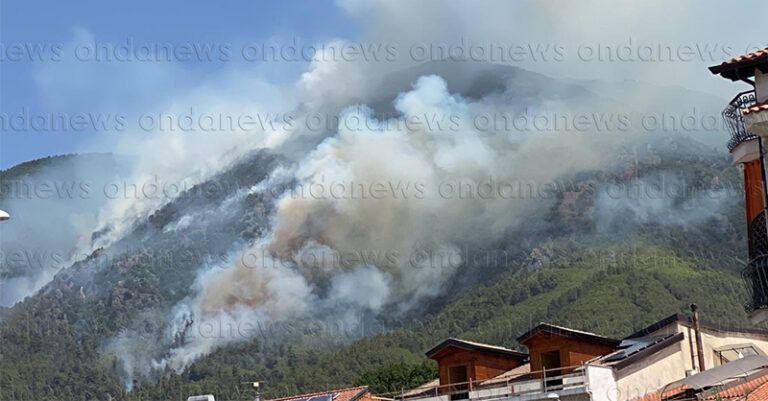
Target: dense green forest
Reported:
point(571, 267)
point(619, 290)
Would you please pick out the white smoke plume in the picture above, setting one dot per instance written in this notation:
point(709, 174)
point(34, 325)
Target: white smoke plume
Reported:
point(398, 200)
point(379, 205)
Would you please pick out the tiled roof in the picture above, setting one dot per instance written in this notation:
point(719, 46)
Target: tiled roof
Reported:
point(512, 374)
point(758, 394)
point(755, 389)
point(658, 396)
point(743, 66)
point(754, 109)
point(747, 57)
point(347, 394)
point(428, 386)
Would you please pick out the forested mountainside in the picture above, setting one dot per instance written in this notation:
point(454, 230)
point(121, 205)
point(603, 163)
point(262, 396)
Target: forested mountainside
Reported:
point(609, 248)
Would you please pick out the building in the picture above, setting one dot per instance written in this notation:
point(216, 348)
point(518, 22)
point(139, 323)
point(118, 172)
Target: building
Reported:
point(579, 365)
point(743, 379)
point(559, 350)
point(347, 394)
point(461, 363)
point(747, 119)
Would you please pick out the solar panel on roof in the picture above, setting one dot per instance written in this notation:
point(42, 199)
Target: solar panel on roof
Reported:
point(635, 345)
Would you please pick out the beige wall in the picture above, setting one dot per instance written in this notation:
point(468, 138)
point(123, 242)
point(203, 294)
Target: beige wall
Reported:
point(761, 86)
point(655, 372)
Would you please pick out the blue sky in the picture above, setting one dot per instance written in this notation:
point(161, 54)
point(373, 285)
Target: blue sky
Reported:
point(68, 86)
point(175, 22)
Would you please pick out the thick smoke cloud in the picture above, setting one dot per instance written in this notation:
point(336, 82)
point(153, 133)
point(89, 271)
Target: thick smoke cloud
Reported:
point(402, 199)
point(384, 194)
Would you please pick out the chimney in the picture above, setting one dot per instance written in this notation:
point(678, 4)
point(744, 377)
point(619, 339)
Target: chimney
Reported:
point(697, 331)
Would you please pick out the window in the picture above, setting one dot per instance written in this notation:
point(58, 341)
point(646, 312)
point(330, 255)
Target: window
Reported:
point(733, 352)
point(458, 378)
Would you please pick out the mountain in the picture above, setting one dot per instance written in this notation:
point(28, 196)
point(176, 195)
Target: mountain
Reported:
point(608, 248)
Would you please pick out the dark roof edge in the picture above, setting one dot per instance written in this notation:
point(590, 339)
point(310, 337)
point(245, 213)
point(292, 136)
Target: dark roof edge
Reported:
point(359, 395)
point(472, 346)
point(741, 72)
point(562, 331)
point(687, 320)
point(642, 354)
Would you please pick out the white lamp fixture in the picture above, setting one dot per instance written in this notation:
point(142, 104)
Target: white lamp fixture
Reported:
point(4, 215)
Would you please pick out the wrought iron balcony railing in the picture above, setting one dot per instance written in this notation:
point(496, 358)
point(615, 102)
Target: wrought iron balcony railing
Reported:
point(734, 119)
point(758, 235)
point(755, 277)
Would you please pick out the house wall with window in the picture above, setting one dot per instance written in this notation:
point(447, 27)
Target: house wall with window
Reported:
point(543, 346)
point(457, 365)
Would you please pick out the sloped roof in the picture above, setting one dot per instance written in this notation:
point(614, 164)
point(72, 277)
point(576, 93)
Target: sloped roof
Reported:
point(720, 374)
point(759, 393)
point(513, 374)
point(678, 318)
point(347, 394)
point(753, 387)
point(473, 346)
point(426, 387)
point(742, 66)
point(636, 349)
point(566, 332)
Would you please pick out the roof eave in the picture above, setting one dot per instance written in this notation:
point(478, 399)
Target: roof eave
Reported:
point(653, 349)
point(453, 342)
point(741, 70)
point(567, 333)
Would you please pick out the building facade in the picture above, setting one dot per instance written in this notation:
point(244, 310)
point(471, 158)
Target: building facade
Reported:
point(747, 119)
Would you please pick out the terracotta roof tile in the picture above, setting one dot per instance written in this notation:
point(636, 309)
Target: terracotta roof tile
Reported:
point(658, 396)
point(755, 389)
point(747, 57)
point(741, 67)
point(759, 394)
point(754, 109)
point(337, 395)
point(738, 391)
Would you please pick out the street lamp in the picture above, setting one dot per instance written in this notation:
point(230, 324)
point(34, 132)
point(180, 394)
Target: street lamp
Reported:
point(4, 215)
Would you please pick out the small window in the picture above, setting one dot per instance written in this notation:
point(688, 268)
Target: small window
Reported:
point(730, 354)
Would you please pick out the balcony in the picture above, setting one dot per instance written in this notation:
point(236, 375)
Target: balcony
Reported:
point(513, 388)
point(758, 235)
point(755, 277)
point(735, 119)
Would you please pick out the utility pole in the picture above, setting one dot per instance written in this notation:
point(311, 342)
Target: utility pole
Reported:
point(697, 331)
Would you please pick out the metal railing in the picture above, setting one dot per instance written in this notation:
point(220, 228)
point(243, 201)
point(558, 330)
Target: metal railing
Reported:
point(735, 120)
point(551, 380)
point(755, 277)
point(758, 235)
